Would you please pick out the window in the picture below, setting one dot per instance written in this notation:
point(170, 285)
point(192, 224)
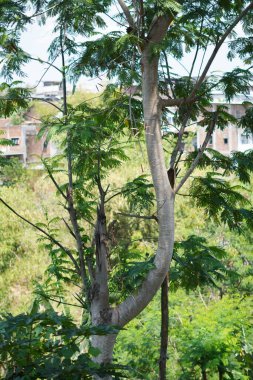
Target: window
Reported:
point(246, 138)
point(225, 140)
point(15, 141)
point(210, 140)
point(45, 145)
point(170, 120)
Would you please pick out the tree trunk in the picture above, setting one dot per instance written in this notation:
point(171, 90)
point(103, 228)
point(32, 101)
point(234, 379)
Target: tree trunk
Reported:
point(101, 313)
point(135, 303)
point(204, 374)
point(220, 372)
point(164, 329)
point(105, 344)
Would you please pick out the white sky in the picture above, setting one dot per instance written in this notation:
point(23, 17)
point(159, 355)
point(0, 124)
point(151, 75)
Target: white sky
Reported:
point(37, 39)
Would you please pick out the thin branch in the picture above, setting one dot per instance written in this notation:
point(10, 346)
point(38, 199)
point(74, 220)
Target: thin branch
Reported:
point(43, 12)
point(127, 13)
point(179, 140)
point(53, 180)
point(196, 54)
point(120, 193)
point(42, 76)
point(168, 73)
point(46, 101)
point(57, 301)
point(69, 229)
point(200, 153)
point(113, 19)
point(51, 238)
point(138, 216)
point(69, 197)
point(218, 46)
point(50, 64)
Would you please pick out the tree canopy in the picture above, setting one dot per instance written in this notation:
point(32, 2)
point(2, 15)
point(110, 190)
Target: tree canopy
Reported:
point(117, 277)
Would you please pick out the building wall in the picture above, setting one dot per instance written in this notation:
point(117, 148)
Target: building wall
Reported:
point(29, 148)
point(15, 133)
point(36, 148)
point(230, 139)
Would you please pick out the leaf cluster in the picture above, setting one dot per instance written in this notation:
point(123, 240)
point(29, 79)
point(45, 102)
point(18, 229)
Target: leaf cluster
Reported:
point(139, 194)
point(13, 97)
point(221, 201)
point(47, 344)
point(198, 264)
point(238, 163)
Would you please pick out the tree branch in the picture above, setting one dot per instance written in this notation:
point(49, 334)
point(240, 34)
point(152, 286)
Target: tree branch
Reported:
point(200, 153)
point(50, 64)
point(69, 229)
point(53, 180)
point(217, 48)
point(192, 97)
point(127, 13)
point(69, 196)
point(51, 238)
point(159, 27)
point(179, 140)
point(46, 101)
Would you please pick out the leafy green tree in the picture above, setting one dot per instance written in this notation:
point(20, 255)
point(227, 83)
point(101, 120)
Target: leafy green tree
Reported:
point(45, 344)
point(138, 55)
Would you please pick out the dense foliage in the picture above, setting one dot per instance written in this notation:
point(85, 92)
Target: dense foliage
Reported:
point(101, 229)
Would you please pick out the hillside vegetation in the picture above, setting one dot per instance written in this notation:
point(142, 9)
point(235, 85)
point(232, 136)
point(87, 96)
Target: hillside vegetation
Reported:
point(210, 287)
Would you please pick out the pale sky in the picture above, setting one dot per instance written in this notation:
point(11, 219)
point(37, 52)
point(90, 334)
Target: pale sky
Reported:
point(37, 39)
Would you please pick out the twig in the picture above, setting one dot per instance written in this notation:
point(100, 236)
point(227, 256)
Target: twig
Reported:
point(69, 229)
point(53, 179)
point(46, 101)
point(50, 64)
point(179, 140)
point(51, 238)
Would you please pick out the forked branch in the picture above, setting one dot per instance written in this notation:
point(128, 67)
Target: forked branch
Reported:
point(200, 153)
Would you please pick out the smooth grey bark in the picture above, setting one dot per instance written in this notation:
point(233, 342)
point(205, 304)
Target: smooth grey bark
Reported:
point(135, 303)
point(105, 344)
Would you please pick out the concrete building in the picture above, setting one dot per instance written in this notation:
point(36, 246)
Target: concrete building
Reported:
point(231, 138)
point(51, 90)
point(26, 146)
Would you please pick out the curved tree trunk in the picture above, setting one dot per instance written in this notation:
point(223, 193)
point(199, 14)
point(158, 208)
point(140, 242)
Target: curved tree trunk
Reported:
point(135, 303)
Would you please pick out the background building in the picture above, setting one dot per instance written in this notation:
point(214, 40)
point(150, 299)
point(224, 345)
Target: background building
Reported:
point(26, 145)
point(231, 138)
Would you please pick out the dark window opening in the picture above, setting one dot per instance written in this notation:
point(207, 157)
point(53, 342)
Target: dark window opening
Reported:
point(225, 140)
point(15, 141)
point(210, 140)
point(45, 145)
